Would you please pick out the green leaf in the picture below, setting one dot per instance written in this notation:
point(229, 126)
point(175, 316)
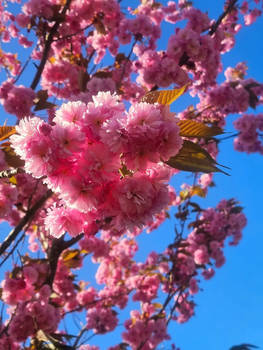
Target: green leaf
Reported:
point(194, 158)
point(191, 128)
point(164, 97)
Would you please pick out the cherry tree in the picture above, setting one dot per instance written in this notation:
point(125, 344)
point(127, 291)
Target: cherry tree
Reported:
point(86, 165)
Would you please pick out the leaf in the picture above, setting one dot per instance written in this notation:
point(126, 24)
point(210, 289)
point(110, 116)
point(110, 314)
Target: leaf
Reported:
point(41, 101)
point(243, 347)
point(102, 74)
point(191, 128)
point(184, 194)
point(6, 132)
point(157, 305)
point(195, 206)
point(193, 157)
point(98, 24)
point(253, 99)
point(12, 180)
point(12, 159)
point(124, 171)
point(51, 343)
point(71, 258)
point(236, 210)
point(198, 191)
point(119, 59)
point(164, 97)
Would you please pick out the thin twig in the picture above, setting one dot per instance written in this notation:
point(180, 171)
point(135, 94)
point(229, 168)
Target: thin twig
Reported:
point(82, 331)
point(73, 34)
point(48, 44)
point(173, 308)
point(229, 8)
point(229, 136)
point(22, 70)
point(29, 215)
point(13, 249)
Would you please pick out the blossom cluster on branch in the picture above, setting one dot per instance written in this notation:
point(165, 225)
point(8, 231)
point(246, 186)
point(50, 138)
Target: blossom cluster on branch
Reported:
point(87, 167)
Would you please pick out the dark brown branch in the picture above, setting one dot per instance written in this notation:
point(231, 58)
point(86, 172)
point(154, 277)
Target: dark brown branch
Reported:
point(58, 245)
point(229, 8)
point(22, 70)
point(12, 250)
point(73, 34)
point(48, 44)
point(82, 331)
point(127, 59)
point(174, 307)
point(29, 216)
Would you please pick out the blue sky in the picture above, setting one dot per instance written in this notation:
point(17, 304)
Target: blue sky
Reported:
point(230, 307)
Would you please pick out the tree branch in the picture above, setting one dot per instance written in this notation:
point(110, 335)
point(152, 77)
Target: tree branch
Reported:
point(13, 249)
point(48, 44)
point(73, 34)
point(58, 245)
point(228, 9)
point(29, 215)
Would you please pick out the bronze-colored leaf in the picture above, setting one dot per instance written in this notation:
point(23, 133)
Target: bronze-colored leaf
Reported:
point(184, 194)
point(191, 128)
point(44, 105)
point(253, 99)
point(194, 158)
point(198, 191)
point(98, 24)
point(157, 305)
point(119, 59)
point(12, 180)
point(196, 207)
point(41, 101)
point(6, 132)
point(102, 74)
point(12, 159)
point(71, 258)
point(164, 97)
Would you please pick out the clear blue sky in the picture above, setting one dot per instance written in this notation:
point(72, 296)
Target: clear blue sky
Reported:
point(230, 307)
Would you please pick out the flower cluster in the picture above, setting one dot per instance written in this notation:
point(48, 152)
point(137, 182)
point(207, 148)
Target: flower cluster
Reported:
point(249, 139)
point(98, 159)
point(202, 250)
point(86, 183)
